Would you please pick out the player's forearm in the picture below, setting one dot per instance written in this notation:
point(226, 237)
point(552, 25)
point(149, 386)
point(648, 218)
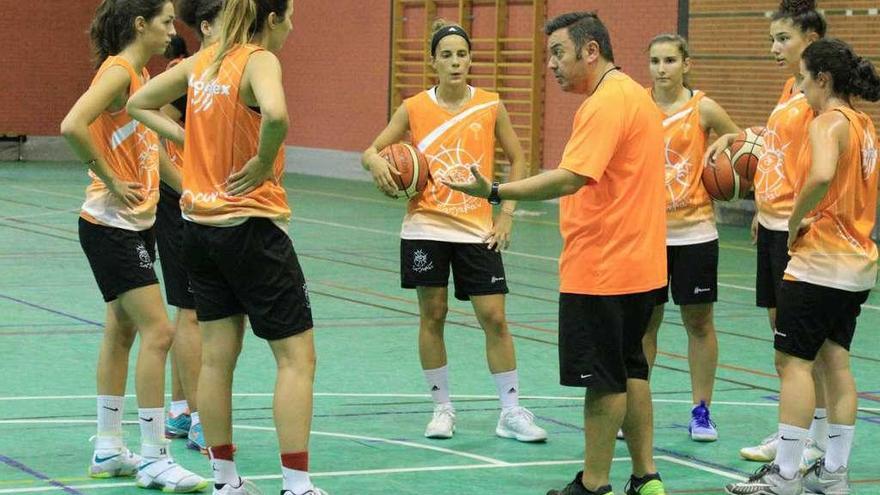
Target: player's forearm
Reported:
point(548, 185)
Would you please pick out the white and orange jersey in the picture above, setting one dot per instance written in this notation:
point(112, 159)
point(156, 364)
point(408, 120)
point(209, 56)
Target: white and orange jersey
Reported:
point(131, 150)
point(221, 135)
point(690, 218)
point(451, 142)
point(837, 251)
point(778, 174)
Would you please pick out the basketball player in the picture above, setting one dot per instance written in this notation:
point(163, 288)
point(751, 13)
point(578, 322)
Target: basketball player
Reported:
point(833, 267)
point(691, 237)
point(236, 248)
point(116, 234)
point(455, 125)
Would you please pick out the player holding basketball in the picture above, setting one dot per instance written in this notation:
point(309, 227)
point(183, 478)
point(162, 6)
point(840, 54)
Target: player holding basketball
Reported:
point(691, 237)
point(794, 26)
point(236, 247)
point(455, 125)
point(116, 234)
point(613, 225)
point(833, 267)
point(183, 421)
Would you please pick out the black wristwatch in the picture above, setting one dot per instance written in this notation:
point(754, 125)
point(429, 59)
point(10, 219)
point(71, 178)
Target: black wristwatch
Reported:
point(493, 198)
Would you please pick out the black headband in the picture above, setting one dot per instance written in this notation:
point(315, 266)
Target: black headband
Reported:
point(448, 31)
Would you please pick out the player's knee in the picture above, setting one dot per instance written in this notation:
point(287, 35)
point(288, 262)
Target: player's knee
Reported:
point(494, 323)
point(435, 314)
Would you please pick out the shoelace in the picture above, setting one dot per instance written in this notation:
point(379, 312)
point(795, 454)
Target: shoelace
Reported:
point(702, 419)
point(763, 470)
point(521, 415)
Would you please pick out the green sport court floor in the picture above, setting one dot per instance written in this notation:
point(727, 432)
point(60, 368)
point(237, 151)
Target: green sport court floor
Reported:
point(370, 405)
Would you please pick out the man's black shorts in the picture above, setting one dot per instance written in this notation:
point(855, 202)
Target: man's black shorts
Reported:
point(600, 339)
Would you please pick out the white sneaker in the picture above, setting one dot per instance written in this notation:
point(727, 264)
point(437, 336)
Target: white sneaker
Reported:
point(812, 453)
point(764, 452)
point(820, 480)
point(519, 423)
point(442, 425)
point(167, 475)
point(314, 491)
point(107, 463)
point(245, 488)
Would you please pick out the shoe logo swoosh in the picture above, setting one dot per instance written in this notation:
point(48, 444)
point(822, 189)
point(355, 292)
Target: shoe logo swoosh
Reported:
point(99, 460)
point(145, 466)
point(782, 437)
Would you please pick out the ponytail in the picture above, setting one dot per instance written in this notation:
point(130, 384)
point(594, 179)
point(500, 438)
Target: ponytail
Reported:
point(242, 20)
point(850, 74)
point(865, 81)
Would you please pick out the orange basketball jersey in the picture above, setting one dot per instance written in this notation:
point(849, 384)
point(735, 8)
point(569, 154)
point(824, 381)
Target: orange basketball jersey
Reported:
point(690, 218)
point(132, 152)
point(221, 135)
point(837, 250)
point(451, 142)
point(778, 174)
point(174, 154)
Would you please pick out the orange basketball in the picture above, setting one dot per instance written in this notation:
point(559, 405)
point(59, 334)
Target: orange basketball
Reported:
point(721, 180)
point(746, 151)
point(412, 165)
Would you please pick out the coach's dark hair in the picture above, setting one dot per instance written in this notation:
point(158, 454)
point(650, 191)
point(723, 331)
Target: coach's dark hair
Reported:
point(242, 19)
point(803, 14)
point(194, 12)
point(850, 73)
point(112, 28)
point(583, 27)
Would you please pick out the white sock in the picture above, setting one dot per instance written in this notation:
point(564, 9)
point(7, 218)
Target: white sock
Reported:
point(840, 439)
point(438, 381)
point(225, 472)
point(819, 428)
point(152, 421)
point(110, 415)
point(507, 385)
point(296, 481)
point(178, 407)
point(195, 419)
point(790, 449)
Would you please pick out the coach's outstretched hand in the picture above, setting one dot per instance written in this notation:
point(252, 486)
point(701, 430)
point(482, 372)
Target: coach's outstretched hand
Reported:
point(479, 186)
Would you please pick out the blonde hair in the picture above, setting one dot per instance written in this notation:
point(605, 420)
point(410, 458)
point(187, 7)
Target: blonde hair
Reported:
point(242, 19)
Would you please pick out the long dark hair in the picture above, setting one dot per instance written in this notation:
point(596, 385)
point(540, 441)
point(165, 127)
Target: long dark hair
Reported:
point(112, 28)
point(850, 73)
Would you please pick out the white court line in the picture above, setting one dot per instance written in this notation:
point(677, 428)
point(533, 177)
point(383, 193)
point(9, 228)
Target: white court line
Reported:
point(44, 214)
point(694, 465)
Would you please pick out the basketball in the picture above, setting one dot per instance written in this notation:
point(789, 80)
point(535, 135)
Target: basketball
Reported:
point(746, 151)
point(412, 165)
point(721, 180)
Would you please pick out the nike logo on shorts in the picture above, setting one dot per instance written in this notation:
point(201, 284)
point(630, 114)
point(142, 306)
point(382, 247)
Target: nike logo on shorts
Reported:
point(583, 377)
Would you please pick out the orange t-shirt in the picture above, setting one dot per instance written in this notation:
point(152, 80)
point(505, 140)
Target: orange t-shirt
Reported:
point(221, 135)
point(778, 174)
point(451, 142)
point(837, 251)
point(132, 151)
point(614, 228)
point(690, 218)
